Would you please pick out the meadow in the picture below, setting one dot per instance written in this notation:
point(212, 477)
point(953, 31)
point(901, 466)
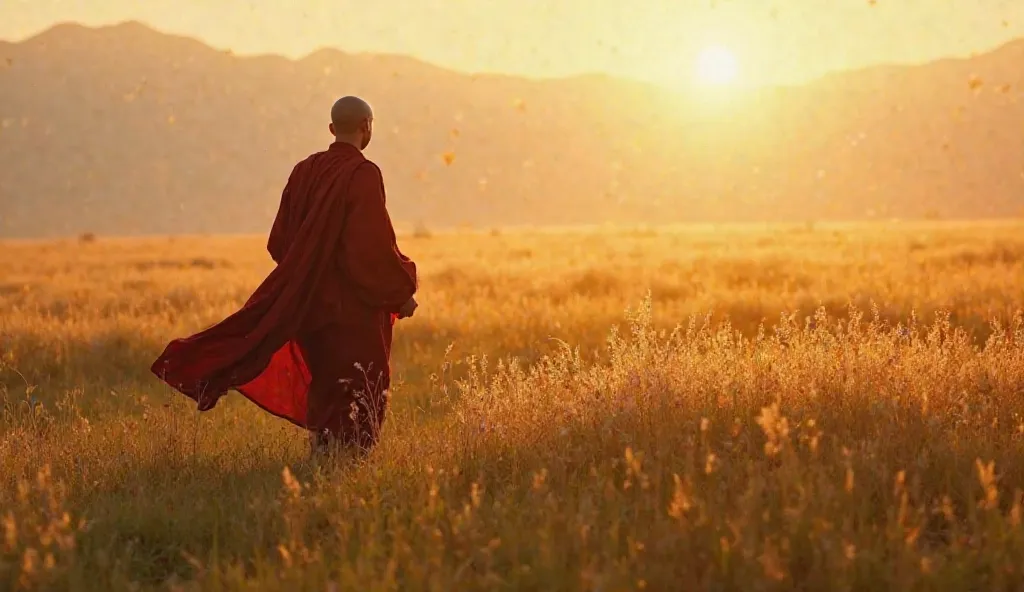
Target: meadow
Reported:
point(709, 407)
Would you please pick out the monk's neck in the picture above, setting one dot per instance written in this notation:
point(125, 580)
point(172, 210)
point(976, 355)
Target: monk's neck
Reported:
point(351, 143)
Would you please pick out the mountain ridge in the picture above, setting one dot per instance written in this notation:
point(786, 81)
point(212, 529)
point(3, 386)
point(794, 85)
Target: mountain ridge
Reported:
point(146, 28)
point(169, 135)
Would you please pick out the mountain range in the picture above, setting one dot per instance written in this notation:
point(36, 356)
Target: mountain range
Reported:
point(126, 130)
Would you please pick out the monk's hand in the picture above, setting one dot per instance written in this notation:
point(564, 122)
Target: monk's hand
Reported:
point(408, 309)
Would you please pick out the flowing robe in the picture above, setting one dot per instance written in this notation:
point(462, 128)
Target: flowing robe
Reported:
point(315, 336)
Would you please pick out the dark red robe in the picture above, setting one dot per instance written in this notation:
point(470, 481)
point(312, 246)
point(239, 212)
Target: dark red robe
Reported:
point(323, 317)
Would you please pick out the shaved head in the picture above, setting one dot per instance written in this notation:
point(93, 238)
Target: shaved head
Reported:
point(349, 114)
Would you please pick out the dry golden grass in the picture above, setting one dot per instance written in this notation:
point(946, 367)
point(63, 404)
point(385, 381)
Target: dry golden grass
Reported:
point(849, 417)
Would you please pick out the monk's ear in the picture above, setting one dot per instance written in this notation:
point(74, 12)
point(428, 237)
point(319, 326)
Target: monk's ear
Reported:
point(330, 126)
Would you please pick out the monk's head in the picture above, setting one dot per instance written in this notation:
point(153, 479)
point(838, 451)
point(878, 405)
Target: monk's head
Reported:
point(352, 121)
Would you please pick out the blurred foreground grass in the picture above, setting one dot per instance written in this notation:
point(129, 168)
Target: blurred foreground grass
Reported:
point(834, 407)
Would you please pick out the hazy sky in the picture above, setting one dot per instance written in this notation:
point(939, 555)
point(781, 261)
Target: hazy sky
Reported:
point(774, 40)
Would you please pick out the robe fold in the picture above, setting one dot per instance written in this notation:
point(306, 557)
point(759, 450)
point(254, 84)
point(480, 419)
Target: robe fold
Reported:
point(330, 303)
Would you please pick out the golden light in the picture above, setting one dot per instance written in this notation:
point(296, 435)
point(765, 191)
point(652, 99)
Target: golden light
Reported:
point(716, 66)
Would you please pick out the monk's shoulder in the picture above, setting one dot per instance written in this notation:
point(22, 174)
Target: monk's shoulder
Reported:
point(369, 168)
point(306, 164)
point(367, 175)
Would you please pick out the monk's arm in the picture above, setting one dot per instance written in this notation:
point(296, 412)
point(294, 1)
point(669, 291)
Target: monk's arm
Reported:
point(385, 277)
point(277, 243)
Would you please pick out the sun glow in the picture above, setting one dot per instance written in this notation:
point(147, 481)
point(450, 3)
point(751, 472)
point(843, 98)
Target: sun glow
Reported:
point(716, 66)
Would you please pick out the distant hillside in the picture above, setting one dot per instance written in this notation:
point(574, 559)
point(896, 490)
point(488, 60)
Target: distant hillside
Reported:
point(124, 130)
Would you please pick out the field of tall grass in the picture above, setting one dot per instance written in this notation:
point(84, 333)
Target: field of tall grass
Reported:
point(715, 408)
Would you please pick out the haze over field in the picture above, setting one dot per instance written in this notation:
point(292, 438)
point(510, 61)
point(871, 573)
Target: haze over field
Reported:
point(126, 130)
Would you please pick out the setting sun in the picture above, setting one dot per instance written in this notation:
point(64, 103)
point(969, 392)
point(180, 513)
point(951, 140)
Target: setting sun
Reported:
point(716, 66)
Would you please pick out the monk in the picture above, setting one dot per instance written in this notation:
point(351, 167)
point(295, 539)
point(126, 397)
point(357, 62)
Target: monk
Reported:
point(313, 343)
